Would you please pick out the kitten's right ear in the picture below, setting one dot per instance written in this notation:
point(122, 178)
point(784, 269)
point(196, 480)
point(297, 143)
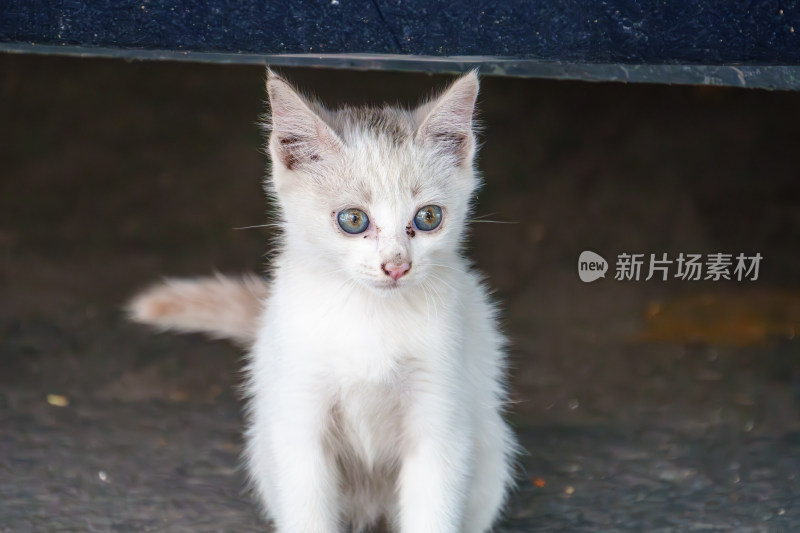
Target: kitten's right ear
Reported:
point(446, 122)
point(299, 136)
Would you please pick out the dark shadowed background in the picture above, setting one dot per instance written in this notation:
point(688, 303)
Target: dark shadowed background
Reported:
point(643, 405)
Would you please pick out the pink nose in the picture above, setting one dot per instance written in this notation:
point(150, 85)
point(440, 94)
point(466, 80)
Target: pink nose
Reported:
point(395, 271)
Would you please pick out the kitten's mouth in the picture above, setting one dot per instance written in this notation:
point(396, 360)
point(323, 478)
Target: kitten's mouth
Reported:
point(388, 285)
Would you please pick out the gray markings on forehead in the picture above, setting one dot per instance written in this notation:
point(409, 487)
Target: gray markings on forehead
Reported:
point(383, 121)
point(352, 190)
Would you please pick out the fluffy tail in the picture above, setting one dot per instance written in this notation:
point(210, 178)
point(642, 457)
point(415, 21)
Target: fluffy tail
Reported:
point(219, 306)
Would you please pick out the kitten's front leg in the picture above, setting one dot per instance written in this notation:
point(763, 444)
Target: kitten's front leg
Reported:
point(435, 468)
point(301, 480)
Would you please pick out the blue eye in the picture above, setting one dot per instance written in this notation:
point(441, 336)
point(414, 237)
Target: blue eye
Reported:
point(353, 220)
point(428, 218)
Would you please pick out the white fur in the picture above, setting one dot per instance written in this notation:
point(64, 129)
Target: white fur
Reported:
point(369, 398)
point(219, 306)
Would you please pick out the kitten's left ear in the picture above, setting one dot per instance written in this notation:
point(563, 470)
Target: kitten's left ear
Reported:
point(446, 122)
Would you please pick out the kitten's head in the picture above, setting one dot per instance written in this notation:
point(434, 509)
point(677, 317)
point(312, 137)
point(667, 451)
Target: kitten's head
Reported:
point(379, 196)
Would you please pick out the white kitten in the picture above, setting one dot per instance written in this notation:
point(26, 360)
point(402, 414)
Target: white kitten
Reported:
point(376, 375)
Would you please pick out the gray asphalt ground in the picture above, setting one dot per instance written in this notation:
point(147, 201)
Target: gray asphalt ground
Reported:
point(644, 406)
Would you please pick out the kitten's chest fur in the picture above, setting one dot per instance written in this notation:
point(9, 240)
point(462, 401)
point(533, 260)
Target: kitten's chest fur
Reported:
point(366, 349)
point(370, 375)
point(366, 421)
point(367, 355)
point(365, 440)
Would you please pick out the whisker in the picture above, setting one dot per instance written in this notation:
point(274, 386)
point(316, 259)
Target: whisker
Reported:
point(435, 290)
point(447, 266)
point(474, 221)
point(441, 281)
point(344, 286)
point(258, 226)
point(425, 288)
point(427, 302)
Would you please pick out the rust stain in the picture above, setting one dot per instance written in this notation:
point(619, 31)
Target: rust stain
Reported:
point(732, 318)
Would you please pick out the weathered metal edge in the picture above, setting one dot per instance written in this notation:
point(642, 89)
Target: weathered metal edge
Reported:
point(773, 77)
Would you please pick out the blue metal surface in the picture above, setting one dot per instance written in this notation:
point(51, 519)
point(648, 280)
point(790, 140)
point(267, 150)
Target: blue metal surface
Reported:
point(648, 34)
